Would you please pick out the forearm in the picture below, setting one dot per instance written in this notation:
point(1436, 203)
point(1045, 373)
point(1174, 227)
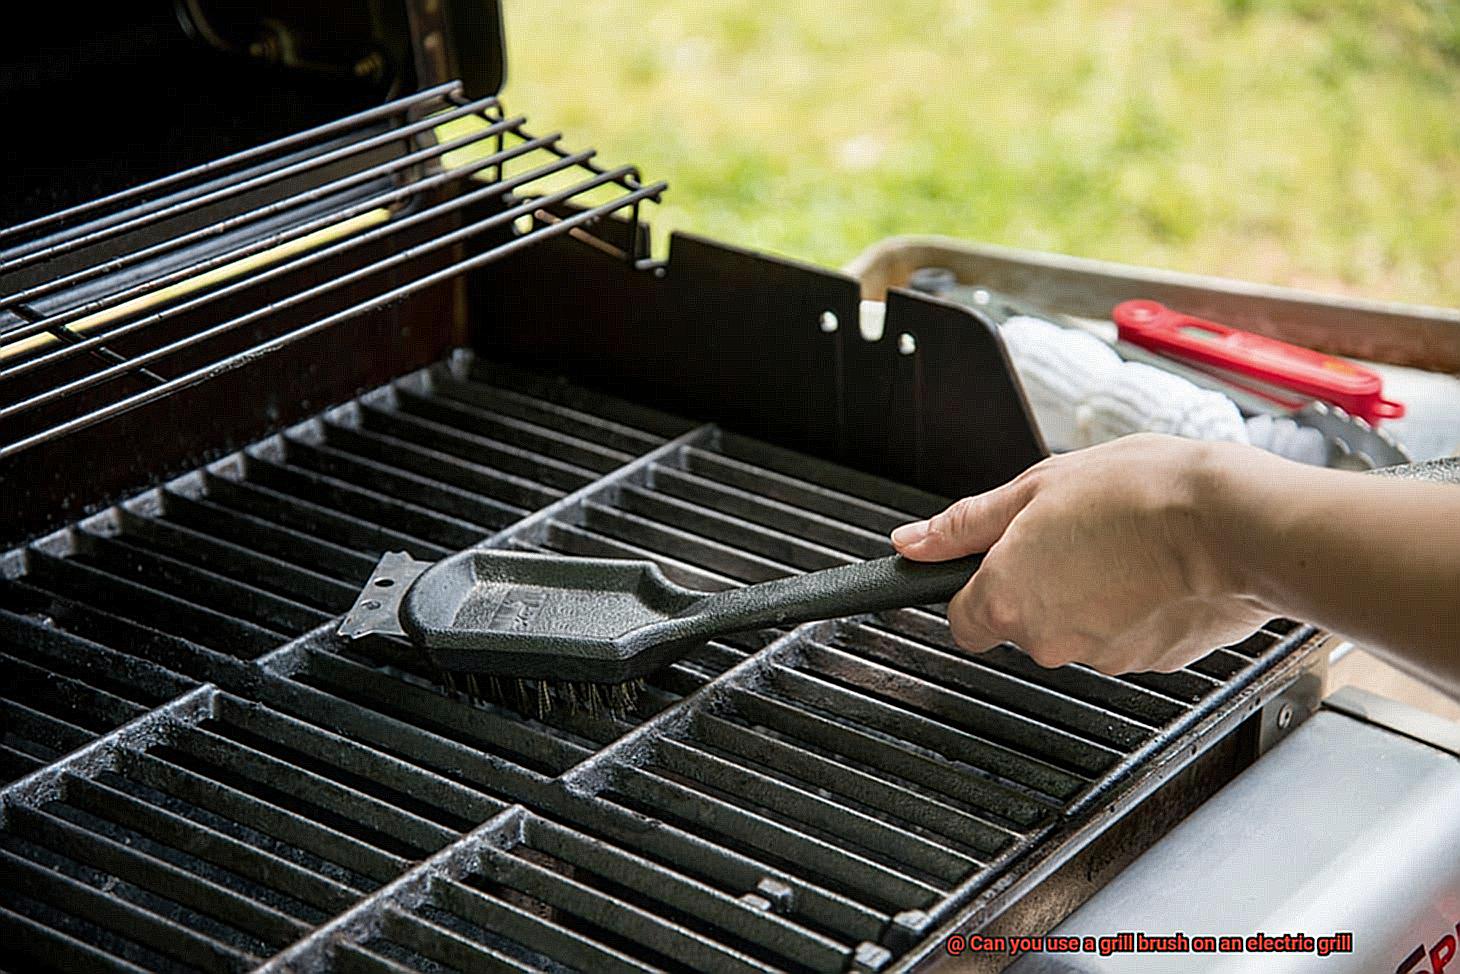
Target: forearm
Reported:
point(1375, 559)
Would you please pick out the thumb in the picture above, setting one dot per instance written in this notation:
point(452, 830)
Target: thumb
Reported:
point(966, 527)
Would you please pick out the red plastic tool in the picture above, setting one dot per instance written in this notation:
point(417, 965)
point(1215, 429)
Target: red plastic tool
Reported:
point(1263, 364)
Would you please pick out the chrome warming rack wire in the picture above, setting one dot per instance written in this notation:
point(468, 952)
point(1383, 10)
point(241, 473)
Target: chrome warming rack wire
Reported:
point(126, 299)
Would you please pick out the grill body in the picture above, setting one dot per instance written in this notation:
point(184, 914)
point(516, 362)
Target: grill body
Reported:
point(203, 776)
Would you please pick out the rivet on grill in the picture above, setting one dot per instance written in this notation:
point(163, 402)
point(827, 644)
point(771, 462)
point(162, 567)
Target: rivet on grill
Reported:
point(906, 344)
point(829, 322)
point(870, 957)
point(756, 902)
point(780, 894)
point(907, 928)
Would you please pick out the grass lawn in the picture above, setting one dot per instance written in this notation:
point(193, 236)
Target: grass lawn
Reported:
point(1307, 142)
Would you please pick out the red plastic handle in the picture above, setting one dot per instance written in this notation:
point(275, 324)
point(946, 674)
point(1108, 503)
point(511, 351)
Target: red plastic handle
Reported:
point(1357, 389)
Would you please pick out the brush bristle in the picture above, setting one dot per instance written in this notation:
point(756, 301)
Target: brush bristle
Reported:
point(539, 698)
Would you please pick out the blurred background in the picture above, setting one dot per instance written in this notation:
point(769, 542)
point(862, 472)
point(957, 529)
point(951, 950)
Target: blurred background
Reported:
point(1306, 142)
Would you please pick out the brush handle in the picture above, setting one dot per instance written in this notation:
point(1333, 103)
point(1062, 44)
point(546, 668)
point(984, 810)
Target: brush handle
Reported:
point(867, 586)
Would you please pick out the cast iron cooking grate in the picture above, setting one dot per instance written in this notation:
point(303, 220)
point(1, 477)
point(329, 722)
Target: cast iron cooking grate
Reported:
point(207, 778)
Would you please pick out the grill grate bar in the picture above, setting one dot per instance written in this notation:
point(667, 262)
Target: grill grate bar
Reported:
point(407, 705)
point(300, 234)
point(464, 365)
point(398, 483)
point(1038, 782)
point(692, 852)
point(196, 201)
point(316, 838)
point(34, 726)
point(524, 927)
point(408, 887)
point(565, 447)
point(77, 696)
point(750, 922)
point(18, 763)
point(437, 943)
point(722, 558)
point(317, 520)
point(201, 513)
point(45, 943)
point(140, 680)
point(405, 829)
point(639, 926)
point(573, 540)
point(362, 503)
point(778, 516)
point(894, 757)
point(442, 438)
point(868, 491)
point(871, 881)
point(1187, 686)
point(960, 672)
point(237, 598)
point(125, 597)
point(397, 293)
point(776, 546)
point(880, 841)
point(862, 513)
point(535, 526)
point(120, 917)
point(997, 724)
point(350, 959)
point(388, 110)
point(460, 472)
point(468, 755)
point(264, 925)
point(494, 400)
point(876, 792)
point(208, 844)
point(1080, 682)
point(226, 558)
point(421, 785)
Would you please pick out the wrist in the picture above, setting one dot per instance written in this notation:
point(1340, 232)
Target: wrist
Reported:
point(1234, 496)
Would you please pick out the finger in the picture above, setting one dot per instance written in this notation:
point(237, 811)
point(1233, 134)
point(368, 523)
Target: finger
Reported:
point(966, 527)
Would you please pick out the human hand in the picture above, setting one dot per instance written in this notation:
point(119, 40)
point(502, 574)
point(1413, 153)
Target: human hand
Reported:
point(1113, 556)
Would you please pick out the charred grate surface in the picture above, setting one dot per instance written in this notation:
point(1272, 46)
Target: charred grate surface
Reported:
point(127, 609)
point(811, 800)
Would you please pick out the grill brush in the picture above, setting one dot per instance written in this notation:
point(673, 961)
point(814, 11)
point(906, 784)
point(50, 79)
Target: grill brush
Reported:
point(534, 630)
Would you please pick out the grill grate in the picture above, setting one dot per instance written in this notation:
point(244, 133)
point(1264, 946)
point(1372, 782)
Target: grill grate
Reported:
point(120, 302)
point(812, 800)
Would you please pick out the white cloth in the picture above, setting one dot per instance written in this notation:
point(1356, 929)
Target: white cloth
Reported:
point(1083, 393)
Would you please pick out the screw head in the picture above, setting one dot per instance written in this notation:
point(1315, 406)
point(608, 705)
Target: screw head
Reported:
point(1285, 716)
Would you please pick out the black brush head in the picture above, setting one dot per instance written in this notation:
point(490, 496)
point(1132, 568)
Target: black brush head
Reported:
point(593, 623)
point(539, 699)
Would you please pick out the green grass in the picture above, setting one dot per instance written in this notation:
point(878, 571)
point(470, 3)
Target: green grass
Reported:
point(1307, 142)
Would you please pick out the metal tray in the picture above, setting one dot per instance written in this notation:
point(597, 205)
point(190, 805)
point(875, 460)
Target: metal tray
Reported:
point(1398, 334)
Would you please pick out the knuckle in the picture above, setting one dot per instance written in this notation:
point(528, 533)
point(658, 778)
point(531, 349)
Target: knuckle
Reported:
point(956, 519)
point(999, 614)
point(1046, 655)
point(964, 633)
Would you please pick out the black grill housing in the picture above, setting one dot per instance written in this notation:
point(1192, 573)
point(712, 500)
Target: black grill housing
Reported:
point(243, 785)
point(200, 775)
